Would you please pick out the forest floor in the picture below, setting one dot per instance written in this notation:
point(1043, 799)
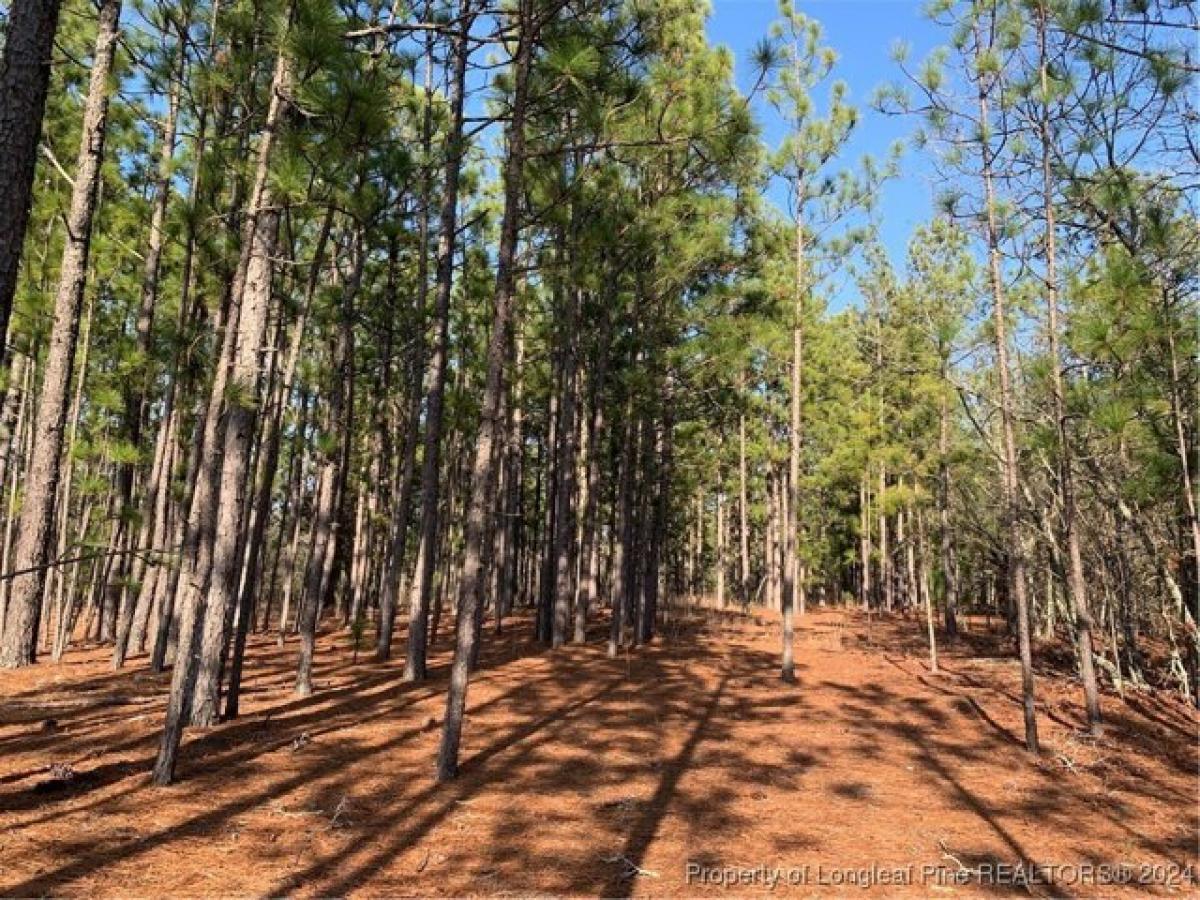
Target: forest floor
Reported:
point(664, 772)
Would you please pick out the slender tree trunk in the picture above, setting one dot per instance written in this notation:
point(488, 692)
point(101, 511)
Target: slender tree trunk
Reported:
point(484, 470)
point(1009, 461)
point(159, 493)
point(643, 526)
point(743, 510)
point(1076, 581)
point(239, 429)
point(515, 448)
point(14, 398)
point(135, 399)
point(35, 529)
point(17, 452)
point(664, 453)
point(69, 605)
point(325, 514)
point(59, 576)
point(622, 531)
point(771, 543)
point(361, 541)
point(241, 395)
point(911, 588)
point(590, 550)
point(545, 593)
point(949, 573)
point(1183, 450)
point(565, 495)
point(926, 594)
point(204, 620)
point(885, 558)
point(864, 540)
point(791, 524)
point(719, 560)
point(420, 593)
point(392, 582)
point(191, 316)
point(293, 553)
point(258, 512)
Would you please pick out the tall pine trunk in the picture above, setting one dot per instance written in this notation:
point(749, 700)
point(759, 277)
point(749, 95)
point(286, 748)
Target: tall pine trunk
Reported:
point(135, 410)
point(565, 493)
point(34, 540)
point(484, 469)
point(333, 474)
point(743, 508)
point(212, 576)
point(946, 539)
point(791, 523)
point(1009, 463)
point(422, 586)
point(1076, 581)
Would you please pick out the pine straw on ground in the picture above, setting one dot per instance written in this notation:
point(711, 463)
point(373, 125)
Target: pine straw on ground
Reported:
point(588, 776)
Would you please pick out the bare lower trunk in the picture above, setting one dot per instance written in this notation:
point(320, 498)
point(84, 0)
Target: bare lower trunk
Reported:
point(949, 573)
point(791, 523)
point(1009, 460)
point(621, 533)
point(514, 502)
point(864, 542)
point(484, 471)
point(565, 519)
point(211, 587)
point(65, 521)
point(422, 586)
point(14, 396)
point(17, 452)
point(590, 545)
point(35, 529)
point(1076, 582)
point(719, 560)
point(743, 512)
point(663, 454)
point(885, 558)
point(325, 517)
point(926, 594)
point(135, 409)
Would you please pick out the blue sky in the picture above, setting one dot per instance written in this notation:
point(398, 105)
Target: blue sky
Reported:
point(863, 33)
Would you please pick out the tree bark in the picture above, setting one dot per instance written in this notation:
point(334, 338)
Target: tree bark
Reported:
point(864, 540)
point(719, 557)
point(135, 410)
point(949, 573)
point(743, 508)
point(24, 83)
point(332, 474)
point(204, 619)
point(565, 494)
point(590, 548)
point(35, 529)
point(1076, 581)
point(791, 524)
point(484, 470)
point(1009, 461)
point(422, 586)
point(925, 593)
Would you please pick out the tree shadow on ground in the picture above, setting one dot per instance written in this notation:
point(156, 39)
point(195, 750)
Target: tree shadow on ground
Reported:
point(577, 770)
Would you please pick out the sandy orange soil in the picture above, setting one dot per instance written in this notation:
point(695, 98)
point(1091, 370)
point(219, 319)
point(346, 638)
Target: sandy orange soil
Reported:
point(684, 768)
